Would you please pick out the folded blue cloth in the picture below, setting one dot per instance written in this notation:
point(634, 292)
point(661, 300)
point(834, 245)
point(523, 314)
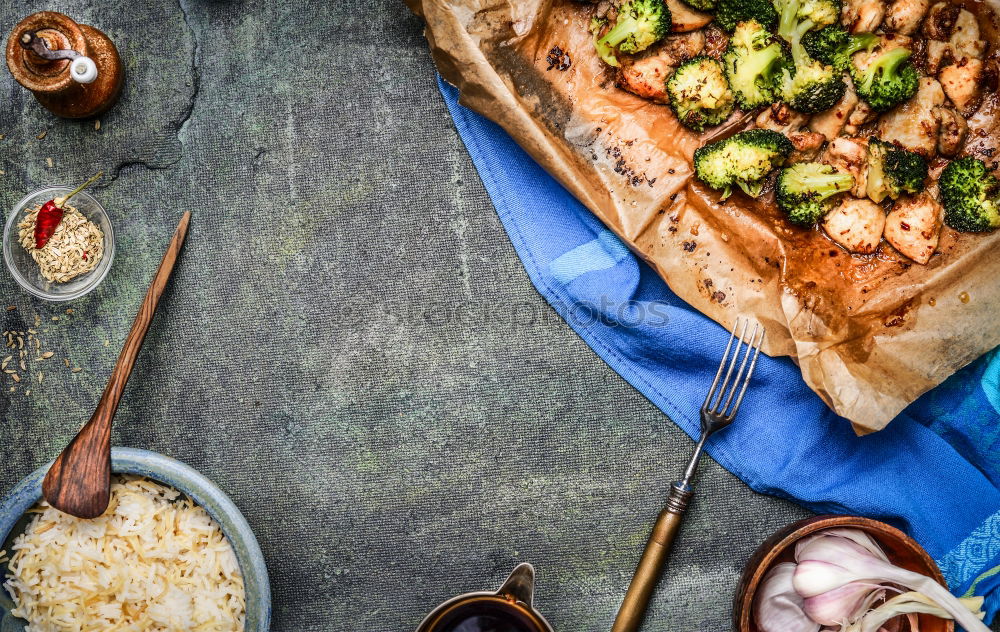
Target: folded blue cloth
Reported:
point(933, 472)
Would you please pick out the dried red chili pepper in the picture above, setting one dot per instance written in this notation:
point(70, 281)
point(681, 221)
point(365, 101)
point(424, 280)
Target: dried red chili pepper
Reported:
point(52, 213)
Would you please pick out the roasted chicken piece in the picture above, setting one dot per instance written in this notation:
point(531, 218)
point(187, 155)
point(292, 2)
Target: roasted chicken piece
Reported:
point(862, 16)
point(685, 19)
point(913, 227)
point(914, 125)
point(963, 84)
point(862, 115)
point(782, 119)
point(716, 41)
point(807, 144)
point(832, 122)
point(954, 130)
point(954, 36)
point(965, 39)
point(856, 224)
point(904, 16)
point(645, 74)
point(849, 155)
point(941, 20)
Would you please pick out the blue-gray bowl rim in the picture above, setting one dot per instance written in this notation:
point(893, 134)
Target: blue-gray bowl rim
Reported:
point(195, 485)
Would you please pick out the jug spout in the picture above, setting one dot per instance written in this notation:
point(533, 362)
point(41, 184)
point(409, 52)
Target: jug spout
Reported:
point(520, 585)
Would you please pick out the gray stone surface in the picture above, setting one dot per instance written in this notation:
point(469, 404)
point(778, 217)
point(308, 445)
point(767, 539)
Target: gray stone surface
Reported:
point(336, 350)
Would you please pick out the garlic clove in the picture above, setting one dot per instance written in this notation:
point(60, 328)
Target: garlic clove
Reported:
point(778, 608)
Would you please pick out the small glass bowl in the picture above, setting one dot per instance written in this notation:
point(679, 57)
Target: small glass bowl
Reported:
point(26, 271)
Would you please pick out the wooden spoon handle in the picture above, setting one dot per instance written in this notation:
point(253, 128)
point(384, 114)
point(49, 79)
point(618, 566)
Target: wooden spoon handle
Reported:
point(78, 483)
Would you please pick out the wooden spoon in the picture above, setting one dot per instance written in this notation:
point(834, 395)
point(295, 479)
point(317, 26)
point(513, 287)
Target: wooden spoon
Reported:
point(79, 481)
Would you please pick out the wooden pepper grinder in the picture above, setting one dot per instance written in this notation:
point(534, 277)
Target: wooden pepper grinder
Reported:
point(72, 69)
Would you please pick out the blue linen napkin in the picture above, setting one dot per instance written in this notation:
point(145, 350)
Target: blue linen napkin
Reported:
point(933, 472)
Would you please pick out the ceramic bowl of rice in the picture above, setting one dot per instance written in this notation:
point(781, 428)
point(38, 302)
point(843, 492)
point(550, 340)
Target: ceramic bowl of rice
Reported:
point(171, 553)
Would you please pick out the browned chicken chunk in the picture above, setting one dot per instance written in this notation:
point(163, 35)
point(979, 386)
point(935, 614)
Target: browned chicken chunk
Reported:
point(716, 41)
point(904, 16)
point(953, 132)
point(941, 20)
point(913, 227)
point(850, 155)
point(833, 121)
point(807, 144)
point(856, 224)
point(962, 83)
point(685, 19)
point(782, 119)
point(862, 16)
point(646, 74)
point(914, 125)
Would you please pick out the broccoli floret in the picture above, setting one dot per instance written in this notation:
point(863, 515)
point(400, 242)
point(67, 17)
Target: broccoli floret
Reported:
point(743, 160)
point(753, 61)
point(886, 80)
point(893, 171)
point(729, 13)
point(804, 190)
point(802, 16)
point(640, 24)
point(833, 45)
point(970, 195)
point(699, 93)
point(701, 5)
point(808, 86)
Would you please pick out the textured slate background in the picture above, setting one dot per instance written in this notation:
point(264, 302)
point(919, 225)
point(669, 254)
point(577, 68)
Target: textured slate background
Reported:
point(350, 347)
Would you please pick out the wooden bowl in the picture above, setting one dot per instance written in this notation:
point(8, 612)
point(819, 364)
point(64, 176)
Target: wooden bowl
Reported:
point(901, 549)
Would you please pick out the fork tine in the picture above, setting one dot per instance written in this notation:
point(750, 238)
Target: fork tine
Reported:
point(732, 365)
point(746, 382)
point(722, 365)
point(739, 374)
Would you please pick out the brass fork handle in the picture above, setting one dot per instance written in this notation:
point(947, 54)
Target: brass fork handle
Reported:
point(647, 573)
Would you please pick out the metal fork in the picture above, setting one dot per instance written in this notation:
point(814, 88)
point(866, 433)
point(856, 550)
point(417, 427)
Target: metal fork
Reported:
point(718, 411)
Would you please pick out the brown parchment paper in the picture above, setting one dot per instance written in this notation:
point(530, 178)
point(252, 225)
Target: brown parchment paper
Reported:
point(870, 334)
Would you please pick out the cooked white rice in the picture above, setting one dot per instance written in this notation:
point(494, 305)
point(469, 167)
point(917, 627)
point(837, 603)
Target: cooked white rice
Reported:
point(153, 562)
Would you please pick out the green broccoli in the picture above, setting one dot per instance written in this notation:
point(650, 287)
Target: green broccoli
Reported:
point(893, 171)
point(753, 61)
point(701, 5)
point(970, 195)
point(809, 86)
point(640, 24)
point(699, 93)
point(743, 159)
point(802, 16)
point(804, 190)
point(729, 13)
point(886, 79)
point(834, 45)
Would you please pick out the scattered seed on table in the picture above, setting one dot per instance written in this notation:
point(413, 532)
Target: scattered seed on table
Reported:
point(11, 308)
point(16, 377)
point(76, 369)
point(49, 162)
point(97, 125)
point(66, 362)
point(42, 134)
point(48, 354)
point(70, 311)
point(56, 318)
point(40, 377)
